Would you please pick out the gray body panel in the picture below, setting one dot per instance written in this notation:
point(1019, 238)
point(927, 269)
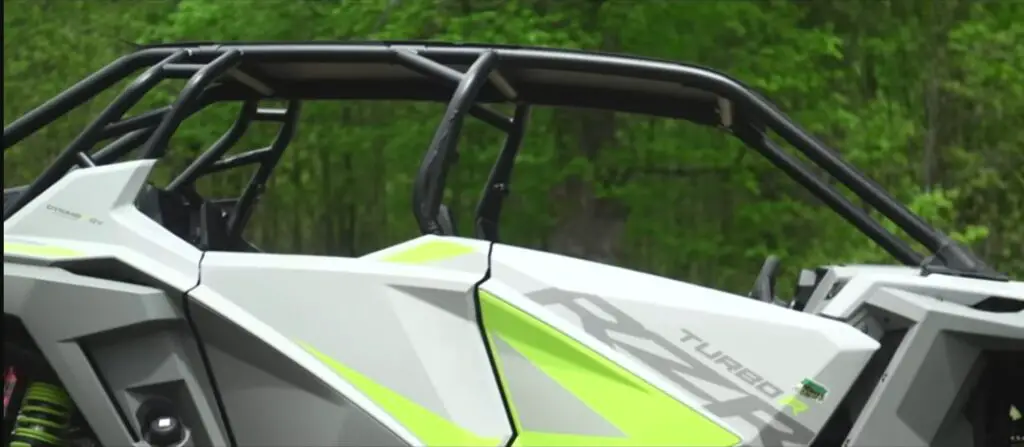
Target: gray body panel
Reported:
point(920, 397)
point(131, 338)
point(271, 401)
point(411, 329)
point(699, 341)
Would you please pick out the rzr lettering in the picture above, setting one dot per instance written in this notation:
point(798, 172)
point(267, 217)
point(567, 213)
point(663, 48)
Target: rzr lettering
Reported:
point(688, 371)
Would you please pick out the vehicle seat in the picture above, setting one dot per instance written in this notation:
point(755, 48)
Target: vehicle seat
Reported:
point(198, 222)
point(169, 210)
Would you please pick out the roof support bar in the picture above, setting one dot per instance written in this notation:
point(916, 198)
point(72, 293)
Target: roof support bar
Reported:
point(258, 183)
point(181, 71)
point(429, 68)
point(849, 176)
point(428, 189)
point(945, 251)
point(251, 81)
point(833, 199)
point(488, 210)
point(141, 121)
point(245, 158)
point(218, 149)
point(186, 71)
point(84, 141)
point(122, 146)
point(73, 97)
point(503, 86)
point(129, 140)
point(157, 145)
point(222, 62)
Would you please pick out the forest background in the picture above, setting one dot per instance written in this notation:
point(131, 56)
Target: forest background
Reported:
point(926, 96)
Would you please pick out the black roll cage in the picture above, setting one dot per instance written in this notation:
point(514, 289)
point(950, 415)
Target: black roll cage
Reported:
point(251, 72)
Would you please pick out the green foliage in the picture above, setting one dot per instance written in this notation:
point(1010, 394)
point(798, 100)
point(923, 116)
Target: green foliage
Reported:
point(926, 97)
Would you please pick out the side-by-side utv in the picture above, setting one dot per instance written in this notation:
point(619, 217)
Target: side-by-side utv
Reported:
point(138, 314)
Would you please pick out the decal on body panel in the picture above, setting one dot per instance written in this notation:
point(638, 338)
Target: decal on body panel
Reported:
point(700, 344)
point(92, 211)
point(563, 388)
point(448, 252)
point(404, 336)
point(690, 369)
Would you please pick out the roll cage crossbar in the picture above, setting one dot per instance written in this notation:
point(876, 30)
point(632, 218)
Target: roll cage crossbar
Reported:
point(251, 72)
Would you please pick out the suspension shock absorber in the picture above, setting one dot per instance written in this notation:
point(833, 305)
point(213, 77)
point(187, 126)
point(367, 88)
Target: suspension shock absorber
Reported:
point(44, 416)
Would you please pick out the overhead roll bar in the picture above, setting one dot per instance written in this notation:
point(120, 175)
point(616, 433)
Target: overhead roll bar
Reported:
point(157, 144)
point(229, 71)
point(92, 133)
point(428, 187)
point(269, 160)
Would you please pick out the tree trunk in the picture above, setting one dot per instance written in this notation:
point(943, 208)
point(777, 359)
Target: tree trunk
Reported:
point(589, 227)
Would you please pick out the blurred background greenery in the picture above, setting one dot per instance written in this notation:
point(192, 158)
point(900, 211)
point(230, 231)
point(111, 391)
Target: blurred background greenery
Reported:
point(926, 96)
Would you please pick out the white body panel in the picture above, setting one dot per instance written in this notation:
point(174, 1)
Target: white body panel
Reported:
point(91, 212)
point(674, 328)
point(414, 329)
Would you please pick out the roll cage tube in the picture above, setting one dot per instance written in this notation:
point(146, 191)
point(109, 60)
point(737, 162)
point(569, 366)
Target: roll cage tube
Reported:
point(219, 148)
point(289, 119)
point(788, 164)
point(92, 133)
point(153, 128)
point(492, 199)
point(203, 77)
point(429, 185)
point(950, 256)
point(239, 71)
